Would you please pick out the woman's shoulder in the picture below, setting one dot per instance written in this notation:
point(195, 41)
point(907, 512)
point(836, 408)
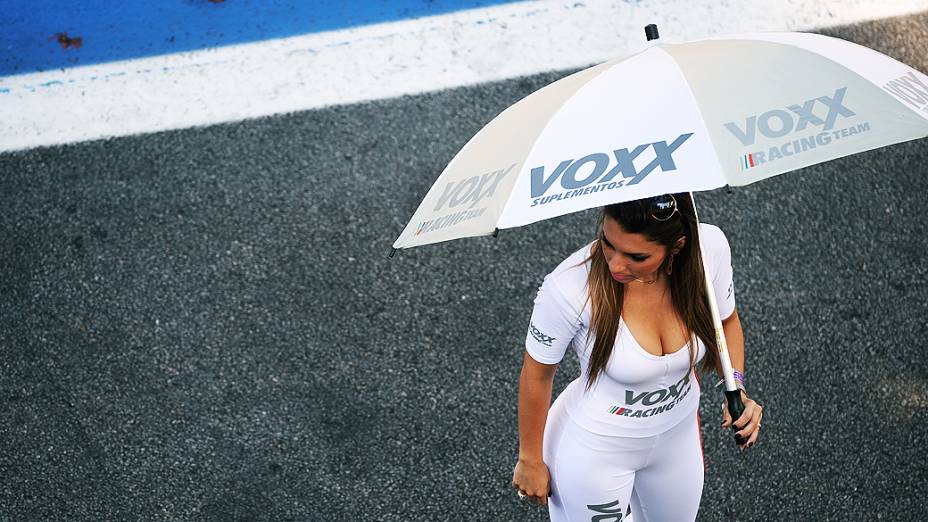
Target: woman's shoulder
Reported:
point(711, 233)
point(713, 239)
point(570, 275)
point(715, 248)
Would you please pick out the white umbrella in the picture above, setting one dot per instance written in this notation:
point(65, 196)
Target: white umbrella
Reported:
point(729, 110)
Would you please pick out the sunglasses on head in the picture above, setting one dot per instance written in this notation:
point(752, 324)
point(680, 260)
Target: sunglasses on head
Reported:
point(662, 207)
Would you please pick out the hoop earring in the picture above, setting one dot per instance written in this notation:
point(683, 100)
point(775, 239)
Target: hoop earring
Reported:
point(670, 265)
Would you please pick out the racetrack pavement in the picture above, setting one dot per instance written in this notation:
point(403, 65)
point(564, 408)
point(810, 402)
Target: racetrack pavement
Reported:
point(205, 325)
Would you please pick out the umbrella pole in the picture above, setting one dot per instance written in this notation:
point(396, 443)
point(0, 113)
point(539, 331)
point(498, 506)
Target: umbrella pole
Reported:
point(732, 394)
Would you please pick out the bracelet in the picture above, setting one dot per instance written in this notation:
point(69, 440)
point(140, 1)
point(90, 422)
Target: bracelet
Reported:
point(739, 377)
point(738, 384)
point(739, 381)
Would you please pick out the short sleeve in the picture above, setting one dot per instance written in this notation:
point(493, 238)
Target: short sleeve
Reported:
point(718, 252)
point(555, 321)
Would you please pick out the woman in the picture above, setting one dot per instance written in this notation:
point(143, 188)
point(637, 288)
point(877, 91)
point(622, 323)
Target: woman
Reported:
point(624, 436)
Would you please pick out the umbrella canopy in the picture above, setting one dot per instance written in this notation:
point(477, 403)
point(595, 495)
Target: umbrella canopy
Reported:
point(693, 116)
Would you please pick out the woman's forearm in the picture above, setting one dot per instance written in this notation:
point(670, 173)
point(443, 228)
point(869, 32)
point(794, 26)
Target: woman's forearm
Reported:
point(535, 383)
point(734, 338)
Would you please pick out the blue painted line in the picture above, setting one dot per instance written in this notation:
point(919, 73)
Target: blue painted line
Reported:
point(111, 30)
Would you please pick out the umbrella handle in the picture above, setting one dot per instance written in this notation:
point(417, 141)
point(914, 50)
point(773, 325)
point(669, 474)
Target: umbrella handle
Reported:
point(733, 396)
point(735, 409)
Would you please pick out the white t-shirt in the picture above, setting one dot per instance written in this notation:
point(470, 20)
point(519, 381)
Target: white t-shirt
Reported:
point(639, 394)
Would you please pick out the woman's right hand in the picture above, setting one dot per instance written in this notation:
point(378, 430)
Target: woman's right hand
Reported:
point(531, 476)
point(532, 479)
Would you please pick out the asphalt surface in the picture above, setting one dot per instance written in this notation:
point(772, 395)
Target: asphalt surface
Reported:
point(205, 325)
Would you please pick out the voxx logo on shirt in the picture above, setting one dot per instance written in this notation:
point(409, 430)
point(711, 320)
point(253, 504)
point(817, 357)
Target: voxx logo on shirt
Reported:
point(595, 172)
point(651, 398)
point(654, 402)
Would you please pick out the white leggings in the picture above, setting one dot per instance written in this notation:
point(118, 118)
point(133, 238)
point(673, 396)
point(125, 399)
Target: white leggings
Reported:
point(598, 478)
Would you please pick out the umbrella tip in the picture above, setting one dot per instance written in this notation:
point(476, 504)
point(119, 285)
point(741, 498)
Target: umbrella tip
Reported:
point(495, 232)
point(392, 252)
point(650, 31)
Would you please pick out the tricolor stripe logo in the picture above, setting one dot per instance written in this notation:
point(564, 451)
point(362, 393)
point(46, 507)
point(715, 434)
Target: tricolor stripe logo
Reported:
point(747, 162)
point(617, 410)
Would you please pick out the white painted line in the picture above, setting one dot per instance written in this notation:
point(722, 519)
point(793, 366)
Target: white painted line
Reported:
point(378, 61)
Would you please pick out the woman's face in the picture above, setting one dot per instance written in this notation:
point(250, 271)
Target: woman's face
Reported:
point(630, 256)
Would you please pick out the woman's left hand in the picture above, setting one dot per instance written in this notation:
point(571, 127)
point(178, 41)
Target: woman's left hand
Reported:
point(749, 422)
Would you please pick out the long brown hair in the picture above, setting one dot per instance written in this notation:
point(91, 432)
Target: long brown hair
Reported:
point(686, 281)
